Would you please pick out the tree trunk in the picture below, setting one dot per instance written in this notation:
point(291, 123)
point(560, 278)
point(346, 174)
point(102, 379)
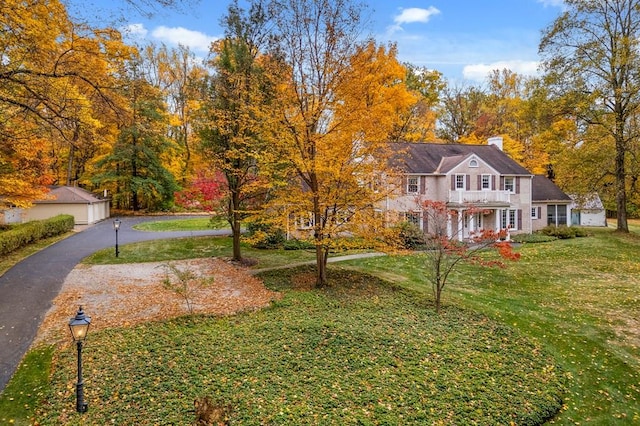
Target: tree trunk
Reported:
point(621, 192)
point(134, 174)
point(318, 234)
point(321, 266)
point(234, 205)
point(72, 149)
point(72, 152)
point(237, 255)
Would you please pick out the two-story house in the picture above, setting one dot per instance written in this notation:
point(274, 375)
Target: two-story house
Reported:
point(486, 187)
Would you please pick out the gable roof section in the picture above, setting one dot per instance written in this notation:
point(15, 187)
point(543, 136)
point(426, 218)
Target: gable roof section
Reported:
point(448, 163)
point(423, 158)
point(587, 202)
point(69, 195)
point(543, 189)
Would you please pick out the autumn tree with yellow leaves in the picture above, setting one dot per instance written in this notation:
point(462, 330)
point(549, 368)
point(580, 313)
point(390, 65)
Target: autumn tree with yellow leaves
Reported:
point(591, 57)
point(341, 101)
point(55, 82)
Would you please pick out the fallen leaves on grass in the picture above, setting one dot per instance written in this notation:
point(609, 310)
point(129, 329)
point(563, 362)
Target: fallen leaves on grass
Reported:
point(125, 295)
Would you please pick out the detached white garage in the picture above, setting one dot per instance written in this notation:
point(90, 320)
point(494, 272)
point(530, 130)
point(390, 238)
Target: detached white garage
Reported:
point(588, 211)
point(85, 207)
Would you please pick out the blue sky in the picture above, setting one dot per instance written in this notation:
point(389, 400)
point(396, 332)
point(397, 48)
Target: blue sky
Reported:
point(463, 39)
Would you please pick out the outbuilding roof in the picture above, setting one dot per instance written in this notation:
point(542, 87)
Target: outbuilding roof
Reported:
point(69, 195)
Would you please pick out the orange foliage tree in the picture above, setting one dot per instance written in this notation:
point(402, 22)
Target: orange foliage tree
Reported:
point(341, 102)
point(444, 251)
point(55, 82)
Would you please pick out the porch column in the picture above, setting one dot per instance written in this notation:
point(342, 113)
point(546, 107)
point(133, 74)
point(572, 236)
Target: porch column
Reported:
point(498, 216)
point(472, 223)
point(460, 225)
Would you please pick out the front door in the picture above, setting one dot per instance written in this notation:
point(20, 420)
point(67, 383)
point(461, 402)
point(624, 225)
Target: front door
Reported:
point(471, 223)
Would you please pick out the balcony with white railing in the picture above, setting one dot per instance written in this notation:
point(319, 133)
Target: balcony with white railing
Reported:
point(479, 197)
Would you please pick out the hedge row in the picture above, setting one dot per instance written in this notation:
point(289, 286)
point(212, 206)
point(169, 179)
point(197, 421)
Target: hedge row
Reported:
point(28, 233)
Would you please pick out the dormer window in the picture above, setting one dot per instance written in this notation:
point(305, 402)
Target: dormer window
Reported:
point(473, 163)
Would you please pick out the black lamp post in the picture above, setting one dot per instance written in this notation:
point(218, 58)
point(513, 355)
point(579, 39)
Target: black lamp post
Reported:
point(79, 326)
point(116, 226)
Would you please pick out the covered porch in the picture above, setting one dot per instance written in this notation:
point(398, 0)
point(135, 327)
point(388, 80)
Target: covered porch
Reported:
point(471, 219)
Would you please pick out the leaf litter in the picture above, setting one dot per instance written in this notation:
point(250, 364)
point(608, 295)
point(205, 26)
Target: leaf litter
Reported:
point(126, 295)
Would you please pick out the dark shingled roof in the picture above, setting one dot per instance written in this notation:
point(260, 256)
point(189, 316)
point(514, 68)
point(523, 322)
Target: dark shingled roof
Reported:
point(422, 158)
point(543, 189)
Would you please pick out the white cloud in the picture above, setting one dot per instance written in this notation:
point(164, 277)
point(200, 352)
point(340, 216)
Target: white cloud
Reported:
point(552, 3)
point(195, 40)
point(412, 15)
point(479, 72)
point(136, 30)
point(415, 14)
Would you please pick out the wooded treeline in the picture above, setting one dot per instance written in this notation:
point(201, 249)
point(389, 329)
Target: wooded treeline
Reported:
point(292, 110)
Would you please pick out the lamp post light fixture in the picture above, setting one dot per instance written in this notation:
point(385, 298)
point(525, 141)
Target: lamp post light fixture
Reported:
point(79, 326)
point(116, 226)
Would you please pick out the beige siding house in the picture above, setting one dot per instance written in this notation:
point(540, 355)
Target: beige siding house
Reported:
point(486, 187)
point(551, 206)
point(85, 207)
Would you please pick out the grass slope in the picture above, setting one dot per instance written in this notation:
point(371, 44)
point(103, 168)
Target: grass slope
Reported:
point(579, 298)
point(360, 352)
point(199, 223)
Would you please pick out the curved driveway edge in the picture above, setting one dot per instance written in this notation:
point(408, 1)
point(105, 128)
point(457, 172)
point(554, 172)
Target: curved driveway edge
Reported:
point(28, 288)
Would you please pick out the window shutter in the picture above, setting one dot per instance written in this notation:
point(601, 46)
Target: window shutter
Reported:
point(539, 212)
point(517, 185)
point(423, 184)
point(453, 182)
point(479, 183)
point(468, 184)
point(519, 224)
point(404, 185)
point(493, 182)
point(502, 183)
point(425, 223)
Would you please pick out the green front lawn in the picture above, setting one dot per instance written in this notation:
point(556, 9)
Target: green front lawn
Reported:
point(197, 247)
point(366, 352)
point(199, 223)
point(360, 352)
point(579, 298)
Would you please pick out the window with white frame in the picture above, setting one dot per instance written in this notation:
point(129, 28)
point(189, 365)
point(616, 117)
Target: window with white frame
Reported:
point(534, 213)
point(460, 182)
point(486, 182)
point(556, 215)
point(412, 184)
point(473, 163)
point(413, 218)
point(509, 219)
point(510, 184)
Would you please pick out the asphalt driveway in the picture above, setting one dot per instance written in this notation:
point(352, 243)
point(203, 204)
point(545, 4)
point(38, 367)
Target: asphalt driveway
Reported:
point(28, 289)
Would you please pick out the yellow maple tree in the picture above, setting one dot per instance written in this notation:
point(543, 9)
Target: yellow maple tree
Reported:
point(342, 102)
point(56, 81)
